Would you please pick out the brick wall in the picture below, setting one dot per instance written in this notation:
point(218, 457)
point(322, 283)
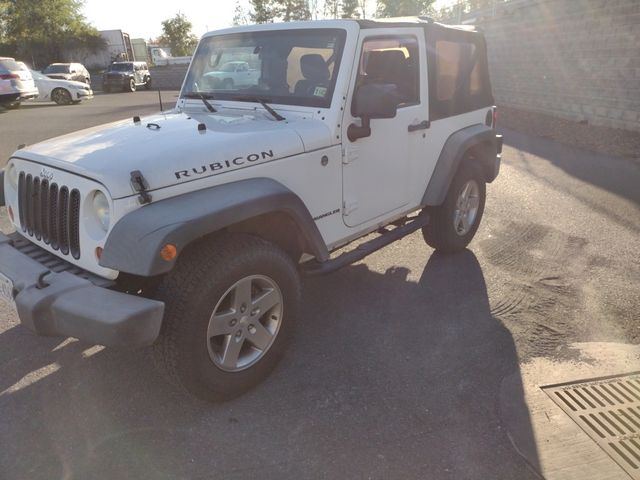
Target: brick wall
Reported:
point(577, 59)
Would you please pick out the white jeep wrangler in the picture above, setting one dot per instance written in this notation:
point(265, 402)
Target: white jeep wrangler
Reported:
point(189, 230)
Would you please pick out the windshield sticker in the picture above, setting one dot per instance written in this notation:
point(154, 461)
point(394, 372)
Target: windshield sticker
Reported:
point(320, 92)
point(216, 167)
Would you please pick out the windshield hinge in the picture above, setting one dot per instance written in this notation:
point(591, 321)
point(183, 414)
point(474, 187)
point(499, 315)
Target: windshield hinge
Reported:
point(140, 185)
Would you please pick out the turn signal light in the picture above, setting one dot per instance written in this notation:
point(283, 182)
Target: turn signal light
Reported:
point(99, 251)
point(168, 252)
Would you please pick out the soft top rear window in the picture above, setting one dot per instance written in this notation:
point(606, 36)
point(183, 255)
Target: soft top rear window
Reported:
point(458, 73)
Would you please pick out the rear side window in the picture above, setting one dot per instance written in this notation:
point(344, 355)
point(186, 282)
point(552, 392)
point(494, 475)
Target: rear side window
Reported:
point(458, 74)
point(9, 65)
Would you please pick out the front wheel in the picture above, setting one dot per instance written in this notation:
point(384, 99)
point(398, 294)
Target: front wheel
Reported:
point(230, 308)
point(132, 85)
point(454, 223)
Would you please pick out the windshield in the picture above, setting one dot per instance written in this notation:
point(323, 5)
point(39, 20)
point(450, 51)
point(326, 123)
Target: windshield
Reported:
point(57, 69)
point(120, 67)
point(292, 67)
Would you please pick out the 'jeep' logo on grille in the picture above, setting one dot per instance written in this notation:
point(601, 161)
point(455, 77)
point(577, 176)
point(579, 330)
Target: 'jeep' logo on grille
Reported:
point(44, 173)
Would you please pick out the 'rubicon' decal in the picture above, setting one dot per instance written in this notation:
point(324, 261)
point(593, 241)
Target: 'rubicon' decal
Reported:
point(332, 212)
point(223, 165)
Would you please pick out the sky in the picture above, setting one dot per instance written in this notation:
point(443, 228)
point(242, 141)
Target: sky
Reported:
point(141, 19)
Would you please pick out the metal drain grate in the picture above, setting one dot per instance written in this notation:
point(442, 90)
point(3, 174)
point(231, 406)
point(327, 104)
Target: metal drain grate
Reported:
point(608, 410)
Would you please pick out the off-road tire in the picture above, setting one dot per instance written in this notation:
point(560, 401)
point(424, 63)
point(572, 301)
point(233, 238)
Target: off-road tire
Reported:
point(202, 275)
point(131, 86)
point(440, 233)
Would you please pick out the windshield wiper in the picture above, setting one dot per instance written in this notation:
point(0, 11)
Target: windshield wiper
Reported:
point(261, 101)
point(202, 97)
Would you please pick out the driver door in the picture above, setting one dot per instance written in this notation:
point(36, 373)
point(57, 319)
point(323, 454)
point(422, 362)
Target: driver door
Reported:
point(376, 168)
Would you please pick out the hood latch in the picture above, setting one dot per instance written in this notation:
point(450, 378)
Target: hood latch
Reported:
point(140, 185)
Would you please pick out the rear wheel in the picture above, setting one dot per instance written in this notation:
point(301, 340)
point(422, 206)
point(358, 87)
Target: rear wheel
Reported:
point(61, 96)
point(454, 223)
point(230, 308)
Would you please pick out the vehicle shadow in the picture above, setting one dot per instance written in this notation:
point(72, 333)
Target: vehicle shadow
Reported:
point(620, 176)
point(387, 378)
point(37, 105)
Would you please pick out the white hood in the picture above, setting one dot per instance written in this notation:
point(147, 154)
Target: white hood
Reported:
point(169, 148)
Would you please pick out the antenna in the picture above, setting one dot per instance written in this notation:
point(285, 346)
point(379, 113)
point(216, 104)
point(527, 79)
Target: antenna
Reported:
point(160, 100)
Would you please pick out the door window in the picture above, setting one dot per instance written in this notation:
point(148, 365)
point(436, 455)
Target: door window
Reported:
point(394, 63)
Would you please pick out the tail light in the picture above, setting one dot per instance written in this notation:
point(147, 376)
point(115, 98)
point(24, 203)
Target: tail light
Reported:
point(9, 76)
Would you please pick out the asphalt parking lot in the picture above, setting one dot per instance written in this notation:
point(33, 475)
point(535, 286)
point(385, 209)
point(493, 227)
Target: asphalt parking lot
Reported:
point(397, 366)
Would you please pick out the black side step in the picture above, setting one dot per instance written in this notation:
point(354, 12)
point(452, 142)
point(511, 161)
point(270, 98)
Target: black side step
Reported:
point(313, 268)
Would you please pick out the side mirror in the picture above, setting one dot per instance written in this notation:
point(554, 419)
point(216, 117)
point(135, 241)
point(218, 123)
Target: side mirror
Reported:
point(371, 101)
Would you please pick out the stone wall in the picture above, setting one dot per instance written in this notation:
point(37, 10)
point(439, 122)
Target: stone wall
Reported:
point(577, 59)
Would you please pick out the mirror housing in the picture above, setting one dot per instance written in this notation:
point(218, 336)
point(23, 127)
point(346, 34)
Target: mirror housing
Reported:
point(372, 101)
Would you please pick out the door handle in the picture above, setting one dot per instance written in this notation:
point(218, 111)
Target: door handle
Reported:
point(423, 125)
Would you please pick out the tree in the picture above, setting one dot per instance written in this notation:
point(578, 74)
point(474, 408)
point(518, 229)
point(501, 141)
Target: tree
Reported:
point(240, 16)
point(176, 32)
point(263, 11)
point(331, 8)
point(292, 10)
point(41, 31)
point(404, 8)
point(350, 9)
point(267, 11)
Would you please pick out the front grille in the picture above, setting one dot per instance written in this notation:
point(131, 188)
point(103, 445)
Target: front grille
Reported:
point(54, 263)
point(50, 213)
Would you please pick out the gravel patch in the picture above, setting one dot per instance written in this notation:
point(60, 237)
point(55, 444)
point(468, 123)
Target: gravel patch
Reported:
point(609, 141)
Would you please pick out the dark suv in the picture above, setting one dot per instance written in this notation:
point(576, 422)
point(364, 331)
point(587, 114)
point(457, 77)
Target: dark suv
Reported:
point(127, 76)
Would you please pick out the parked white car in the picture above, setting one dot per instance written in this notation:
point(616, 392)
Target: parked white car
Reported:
point(63, 92)
point(16, 83)
point(232, 75)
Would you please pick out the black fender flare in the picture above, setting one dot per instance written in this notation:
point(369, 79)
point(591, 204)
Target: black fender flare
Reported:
point(134, 244)
point(483, 140)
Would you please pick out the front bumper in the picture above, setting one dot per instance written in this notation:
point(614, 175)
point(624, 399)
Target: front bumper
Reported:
point(84, 94)
point(119, 81)
point(63, 304)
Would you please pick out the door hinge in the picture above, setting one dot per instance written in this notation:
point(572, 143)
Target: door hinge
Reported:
point(349, 155)
point(348, 206)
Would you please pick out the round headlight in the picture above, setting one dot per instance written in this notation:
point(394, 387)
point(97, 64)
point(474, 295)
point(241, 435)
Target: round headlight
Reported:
point(12, 175)
point(101, 209)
